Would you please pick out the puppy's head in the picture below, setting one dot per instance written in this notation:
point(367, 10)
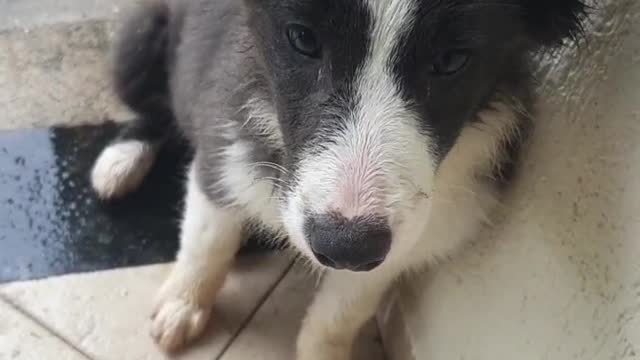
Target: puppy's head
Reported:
point(371, 97)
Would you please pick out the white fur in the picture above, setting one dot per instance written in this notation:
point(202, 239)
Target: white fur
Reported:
point(262, 118)
point(242, 180)
point(209, 240)
point(247, 188)
point(121, 168)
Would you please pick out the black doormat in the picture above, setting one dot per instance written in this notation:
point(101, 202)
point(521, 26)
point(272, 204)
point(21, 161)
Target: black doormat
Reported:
point(51, 223)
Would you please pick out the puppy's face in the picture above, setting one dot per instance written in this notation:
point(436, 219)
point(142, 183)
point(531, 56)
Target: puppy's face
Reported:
point(372, 95)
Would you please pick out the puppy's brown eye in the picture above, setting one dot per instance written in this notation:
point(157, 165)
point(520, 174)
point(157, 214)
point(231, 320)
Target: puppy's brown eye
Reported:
point(450, 62)
point(303, 40)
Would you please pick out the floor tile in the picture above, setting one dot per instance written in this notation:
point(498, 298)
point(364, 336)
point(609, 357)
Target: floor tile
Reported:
point(272, 332)
point(22, 339)
point(106, 314)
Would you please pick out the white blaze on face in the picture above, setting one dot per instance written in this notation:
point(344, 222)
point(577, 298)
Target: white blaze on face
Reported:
point(381, 161)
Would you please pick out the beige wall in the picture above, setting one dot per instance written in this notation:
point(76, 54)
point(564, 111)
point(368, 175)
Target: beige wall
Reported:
point(559, 278)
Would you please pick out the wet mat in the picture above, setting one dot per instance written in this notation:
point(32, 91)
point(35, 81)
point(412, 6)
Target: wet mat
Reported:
point(50, 221)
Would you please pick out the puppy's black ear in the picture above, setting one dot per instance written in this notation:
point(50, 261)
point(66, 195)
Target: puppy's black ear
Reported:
point(551, 22)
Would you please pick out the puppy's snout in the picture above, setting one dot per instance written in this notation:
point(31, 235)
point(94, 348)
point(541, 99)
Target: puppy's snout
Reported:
point(359, 244)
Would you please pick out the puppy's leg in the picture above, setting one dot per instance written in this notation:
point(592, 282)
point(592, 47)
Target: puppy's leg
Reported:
point(345, 302)
point(210, 238)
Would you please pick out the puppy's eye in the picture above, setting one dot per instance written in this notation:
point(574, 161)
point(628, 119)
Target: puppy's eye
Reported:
point(450, 62)
point(303, 40)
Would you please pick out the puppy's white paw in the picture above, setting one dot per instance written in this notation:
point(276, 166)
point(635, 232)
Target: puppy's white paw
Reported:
point(176, 322)
point(121, 167)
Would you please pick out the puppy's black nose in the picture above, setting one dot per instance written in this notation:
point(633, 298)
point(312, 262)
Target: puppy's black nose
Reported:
point(359, 244)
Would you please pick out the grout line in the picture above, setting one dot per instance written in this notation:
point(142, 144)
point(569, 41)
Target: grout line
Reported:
point(255, 310)
point(43, 325)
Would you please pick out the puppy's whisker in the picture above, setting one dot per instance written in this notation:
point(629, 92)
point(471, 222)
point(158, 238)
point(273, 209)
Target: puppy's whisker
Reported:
point(270, 165)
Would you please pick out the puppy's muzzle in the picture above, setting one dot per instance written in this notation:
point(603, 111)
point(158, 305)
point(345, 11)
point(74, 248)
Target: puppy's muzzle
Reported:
point(358, 244)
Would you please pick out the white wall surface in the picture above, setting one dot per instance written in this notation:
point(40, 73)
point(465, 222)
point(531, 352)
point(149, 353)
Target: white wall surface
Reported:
point(559, 277)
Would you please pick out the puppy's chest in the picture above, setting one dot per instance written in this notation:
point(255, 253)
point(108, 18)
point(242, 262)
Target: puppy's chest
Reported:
point(242, 159)
point(250, 182)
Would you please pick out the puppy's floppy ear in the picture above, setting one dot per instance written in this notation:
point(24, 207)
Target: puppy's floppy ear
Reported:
point(551, 22)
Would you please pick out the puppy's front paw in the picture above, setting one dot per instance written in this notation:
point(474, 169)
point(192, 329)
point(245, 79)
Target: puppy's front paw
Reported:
point(176, 322)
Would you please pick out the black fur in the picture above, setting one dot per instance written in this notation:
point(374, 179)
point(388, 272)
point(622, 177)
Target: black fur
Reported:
point(141, 72)
point(551, 22)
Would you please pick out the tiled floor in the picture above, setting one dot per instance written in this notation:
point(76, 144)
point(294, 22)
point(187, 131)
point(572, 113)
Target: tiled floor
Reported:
point(23, 338)
point(104, 315)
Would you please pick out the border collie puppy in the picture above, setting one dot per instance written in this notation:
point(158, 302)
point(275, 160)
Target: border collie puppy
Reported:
point(374, 136)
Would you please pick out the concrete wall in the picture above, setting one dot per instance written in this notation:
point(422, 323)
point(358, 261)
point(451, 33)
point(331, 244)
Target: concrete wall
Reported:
point(559, 276)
